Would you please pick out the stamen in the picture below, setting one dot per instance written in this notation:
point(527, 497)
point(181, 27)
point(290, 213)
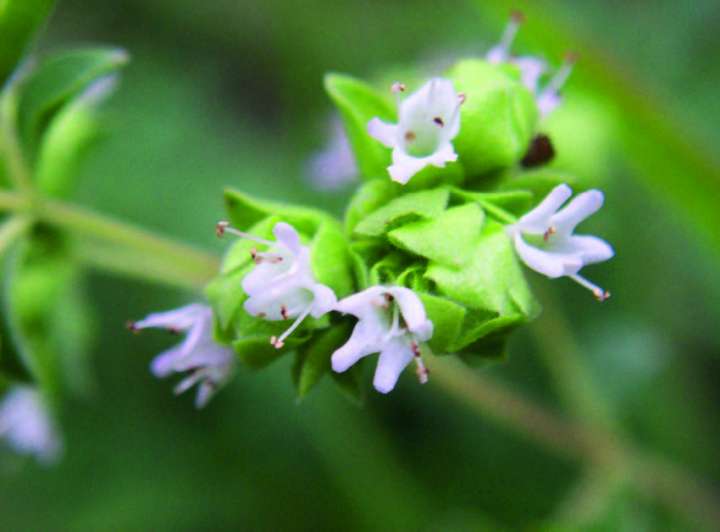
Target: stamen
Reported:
point(508, 36)
point(280, 342)
point(550, 232)
point(259, 258)
point(132, 327)
point(462, 97)
point(394, 326)
point(410, 136)
point(600, 294)
point(397, 89)
point(420, 368)
point(439, 121)
point(284, 312)
point(223, 227)
point(562, 75)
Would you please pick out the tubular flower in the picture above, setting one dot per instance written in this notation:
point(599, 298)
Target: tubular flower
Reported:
point(532, 68)
point(282, 286)
point(27, 426)
point(545, 242)
point(205, 362)
point(334, 166)
point(429, 120)
point(392, 322)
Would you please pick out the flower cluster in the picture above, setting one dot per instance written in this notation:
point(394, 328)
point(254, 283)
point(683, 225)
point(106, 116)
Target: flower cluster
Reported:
point(428, 257)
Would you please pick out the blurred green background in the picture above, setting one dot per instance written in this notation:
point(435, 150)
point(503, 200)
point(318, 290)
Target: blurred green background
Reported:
point(230, 93)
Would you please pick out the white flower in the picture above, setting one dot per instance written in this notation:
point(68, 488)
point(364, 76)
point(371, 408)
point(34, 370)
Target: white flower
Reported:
point(531, 68)
point(334, 166)
point(205, 362)
point(26, 424)
point(282, 284)
point(553, 249)
point(392, 322)
point(429, 120)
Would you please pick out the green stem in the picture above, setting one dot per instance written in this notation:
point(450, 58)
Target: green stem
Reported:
point(593, 445)
point(17, 168)
point(170, 261)
point(11, 230)
point(10, 201)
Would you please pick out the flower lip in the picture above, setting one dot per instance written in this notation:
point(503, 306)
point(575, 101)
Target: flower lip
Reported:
point(392, 322)
point(209, 364)
point(428, 121)
point(282, 285)
point(544, 238)
point(27, 426)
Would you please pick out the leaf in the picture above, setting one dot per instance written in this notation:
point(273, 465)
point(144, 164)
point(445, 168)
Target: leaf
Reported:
point(538, 182)
point(359, 103)
point(368, 198)
point(68, 137)
point(447, 318)
point(404, 209)
point(497, 119)
point(54, 83)
point(490, 280)
point(48, 314)
point(517, 202)
point(314, 359)
point(19, 22)
point(330, 258)
point(448, 238)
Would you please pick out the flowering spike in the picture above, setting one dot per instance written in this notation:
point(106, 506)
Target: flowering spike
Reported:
point(554, 250)
point(379, 310)
point(428, 120)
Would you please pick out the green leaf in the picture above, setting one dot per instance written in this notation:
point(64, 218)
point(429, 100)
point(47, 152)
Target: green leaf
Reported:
point(448, 238)
point(538, 182)
point(68, 137)
point(314, 360)
point(330, 258)
point(368, 198)
point(359, 103)
point(48, 314)
point(490, 280)
point(516, 202)
point(55, 82)
point(498, 117)
point(447, 318)
point(19, 22)
point(404, 209)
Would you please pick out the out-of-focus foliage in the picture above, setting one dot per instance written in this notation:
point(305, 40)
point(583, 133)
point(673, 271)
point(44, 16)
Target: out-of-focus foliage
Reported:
point(230, 93)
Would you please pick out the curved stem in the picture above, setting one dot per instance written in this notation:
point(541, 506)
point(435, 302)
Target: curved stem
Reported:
point(594, 445)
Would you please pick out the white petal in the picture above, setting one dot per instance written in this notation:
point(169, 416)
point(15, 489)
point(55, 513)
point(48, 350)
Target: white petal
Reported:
point(324, 300)
point(287, 236)
point(205, 392)
point(394, 358)
point(582, 206)
point(405, 166)
point(537, 221)
point(361, 343)
point(444, 154)
point(384, 132)
point(164, 364)
point(547, 102)
point(592, 248)
point(362, 303)
point(413, 312)
point(549, 264)
point(178, 319)
point(531, 68)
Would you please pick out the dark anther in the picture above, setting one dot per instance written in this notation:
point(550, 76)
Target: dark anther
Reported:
point(173, 331)
point(518, 16)
point(439, 121)
point(220, 228)
point(130, 326)
point(284, 312)
point(409, 136)
point(541, 152)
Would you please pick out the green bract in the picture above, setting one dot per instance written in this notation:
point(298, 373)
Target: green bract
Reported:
point(498, 117)
point(332, 265)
